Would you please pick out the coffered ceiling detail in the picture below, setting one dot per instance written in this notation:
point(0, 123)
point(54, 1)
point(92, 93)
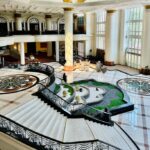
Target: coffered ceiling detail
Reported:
point(57, 6)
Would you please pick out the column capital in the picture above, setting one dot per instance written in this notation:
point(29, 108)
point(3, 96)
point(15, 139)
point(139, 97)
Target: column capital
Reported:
point(68, 9)
point(48, 16)
point(147, 6)
point(17, 15)
point(111, 11)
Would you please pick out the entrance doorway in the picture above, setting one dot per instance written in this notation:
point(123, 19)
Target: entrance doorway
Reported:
point(3, 26)
point(31, 48)
point(34, 25)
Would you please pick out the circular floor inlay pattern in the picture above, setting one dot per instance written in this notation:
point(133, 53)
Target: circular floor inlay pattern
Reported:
point(16, 83)
point(136, 85)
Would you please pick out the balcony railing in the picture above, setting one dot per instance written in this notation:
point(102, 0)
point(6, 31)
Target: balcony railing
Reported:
point(42, 142)
point(54, 32)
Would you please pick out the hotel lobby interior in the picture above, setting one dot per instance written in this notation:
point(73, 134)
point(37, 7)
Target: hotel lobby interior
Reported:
point(74, 74)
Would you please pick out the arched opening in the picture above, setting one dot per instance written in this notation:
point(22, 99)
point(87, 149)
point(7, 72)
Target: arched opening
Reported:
point(34, 25)
point(3, 26)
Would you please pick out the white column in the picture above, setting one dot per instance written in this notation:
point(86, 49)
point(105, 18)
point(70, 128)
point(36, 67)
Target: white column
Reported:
point(122, 31)
point(28, 26)
point(19, 24)
point(40, 27)
point(68, 40)
point(57, 51)
point(112, 37)
point(12, 24)
point(22, 53)
point(146, 39)
point(48, 24)
point(8, 27)
point(24, 26)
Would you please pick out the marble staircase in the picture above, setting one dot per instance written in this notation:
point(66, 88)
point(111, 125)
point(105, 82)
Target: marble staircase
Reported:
point(44, 119)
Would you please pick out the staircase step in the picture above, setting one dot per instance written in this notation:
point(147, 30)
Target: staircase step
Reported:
point(107, 134)
point(39, 119)
point(77, 130)
point(19, 108)
point(50, 124)
point(36, 116)
point(61, 129)
point(26, 109)
point(45, 122)
point(59, 124)
point(30, 113)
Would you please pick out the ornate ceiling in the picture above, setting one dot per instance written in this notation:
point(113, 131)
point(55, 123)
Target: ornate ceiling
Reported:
point(56, 6)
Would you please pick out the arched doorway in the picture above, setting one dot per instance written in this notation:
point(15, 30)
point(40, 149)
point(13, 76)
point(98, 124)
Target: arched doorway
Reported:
point(3, 26)
point(34, 25)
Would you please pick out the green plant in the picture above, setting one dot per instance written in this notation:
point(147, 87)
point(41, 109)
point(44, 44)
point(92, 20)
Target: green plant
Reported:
point(70, 89)
point(57, 88)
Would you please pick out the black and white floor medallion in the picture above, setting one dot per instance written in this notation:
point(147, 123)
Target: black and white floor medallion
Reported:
point(136, 85)
point(16, 83)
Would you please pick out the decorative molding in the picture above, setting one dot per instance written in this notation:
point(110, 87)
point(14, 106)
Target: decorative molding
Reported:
point(3, 20)
point(33, 20)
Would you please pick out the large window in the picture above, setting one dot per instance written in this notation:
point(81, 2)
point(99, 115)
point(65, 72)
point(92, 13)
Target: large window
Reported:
point(133, 38)
point(100, 29)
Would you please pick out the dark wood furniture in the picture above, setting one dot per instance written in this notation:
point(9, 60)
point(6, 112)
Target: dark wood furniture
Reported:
point(100, 56)
point(145, 71)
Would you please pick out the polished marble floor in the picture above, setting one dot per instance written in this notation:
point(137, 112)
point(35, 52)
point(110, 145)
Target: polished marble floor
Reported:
point(136, 123)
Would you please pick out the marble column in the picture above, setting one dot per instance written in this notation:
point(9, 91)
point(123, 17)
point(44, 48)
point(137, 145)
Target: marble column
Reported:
point(40, 28)
point(18, 22)
point(112, 37)
point(22, 53)
point(68, 39)
point(57, 51)
point(145, 59)
point(48, 22)
point(12, 24)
